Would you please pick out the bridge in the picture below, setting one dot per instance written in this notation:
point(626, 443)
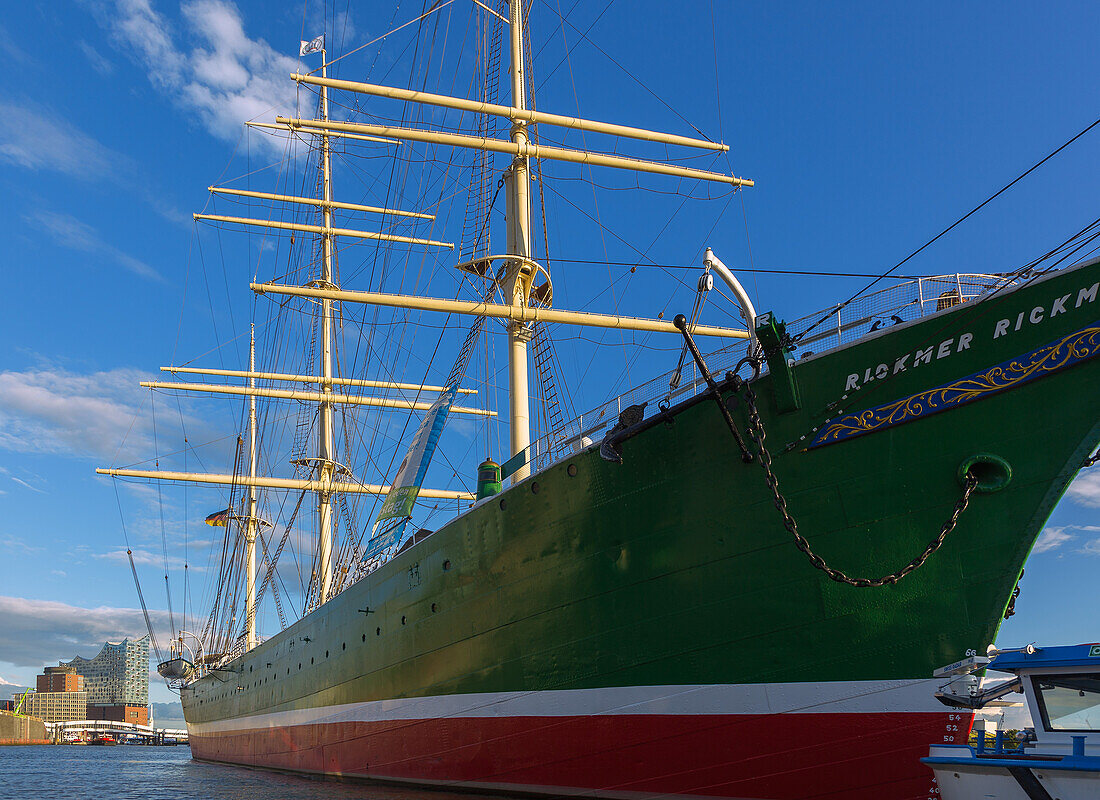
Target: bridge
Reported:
point(89, 728)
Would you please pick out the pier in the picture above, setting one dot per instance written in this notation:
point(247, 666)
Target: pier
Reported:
point(86, 729)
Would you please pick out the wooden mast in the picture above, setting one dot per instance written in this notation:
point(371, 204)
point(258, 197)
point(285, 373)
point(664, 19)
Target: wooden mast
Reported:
point(250, 529)
point(518, 277)
point(325, 413)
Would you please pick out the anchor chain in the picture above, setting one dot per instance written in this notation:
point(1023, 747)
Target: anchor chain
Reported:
point(1011, 609)
point(756, 432)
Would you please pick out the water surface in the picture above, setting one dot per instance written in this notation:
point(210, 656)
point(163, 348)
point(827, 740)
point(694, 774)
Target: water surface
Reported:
point(68, 772)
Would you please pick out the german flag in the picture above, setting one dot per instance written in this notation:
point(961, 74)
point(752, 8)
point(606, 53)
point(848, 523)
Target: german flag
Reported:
point(219, 519)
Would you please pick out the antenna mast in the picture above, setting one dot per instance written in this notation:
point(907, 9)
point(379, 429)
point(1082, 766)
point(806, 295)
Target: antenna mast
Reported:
point(519, 274)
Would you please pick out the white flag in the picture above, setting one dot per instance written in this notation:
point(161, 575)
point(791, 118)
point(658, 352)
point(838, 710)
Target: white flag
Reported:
point(316, 46)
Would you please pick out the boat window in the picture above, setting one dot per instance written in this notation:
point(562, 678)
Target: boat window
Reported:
point(1069, 702)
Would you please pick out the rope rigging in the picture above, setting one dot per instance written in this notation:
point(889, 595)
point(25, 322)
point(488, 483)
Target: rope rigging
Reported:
point(952, 226)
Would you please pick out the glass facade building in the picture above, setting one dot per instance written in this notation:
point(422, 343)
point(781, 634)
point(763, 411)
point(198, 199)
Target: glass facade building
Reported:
point(119, 675)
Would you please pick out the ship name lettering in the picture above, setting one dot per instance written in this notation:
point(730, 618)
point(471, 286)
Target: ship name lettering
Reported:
point(1003, 327)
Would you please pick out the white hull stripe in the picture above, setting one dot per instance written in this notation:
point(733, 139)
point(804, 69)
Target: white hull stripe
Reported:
point(835, 697)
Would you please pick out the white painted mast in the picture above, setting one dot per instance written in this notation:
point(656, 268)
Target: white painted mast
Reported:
point(326, 465)
point(250, 529)
point(517, 283)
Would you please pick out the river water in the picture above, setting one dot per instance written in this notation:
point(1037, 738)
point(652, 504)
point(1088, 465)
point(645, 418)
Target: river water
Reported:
point(130, 772)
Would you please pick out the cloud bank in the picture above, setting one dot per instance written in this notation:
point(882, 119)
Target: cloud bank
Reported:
point(59, 412)
point(37, 632)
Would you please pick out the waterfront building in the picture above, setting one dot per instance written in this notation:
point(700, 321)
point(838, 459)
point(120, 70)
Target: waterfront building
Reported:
point(60, 679)
point(119, 712)
point(119, 675)
point(54, 706)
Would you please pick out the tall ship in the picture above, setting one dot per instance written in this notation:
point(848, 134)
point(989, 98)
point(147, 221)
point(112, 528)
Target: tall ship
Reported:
point(733, 580)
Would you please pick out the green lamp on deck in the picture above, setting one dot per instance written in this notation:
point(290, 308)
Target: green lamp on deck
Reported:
point(488, 479)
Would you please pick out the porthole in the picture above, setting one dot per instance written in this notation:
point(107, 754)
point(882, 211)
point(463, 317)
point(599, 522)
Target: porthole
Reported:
point(377, 631)
point(299, 665)
point(344, 646)
point(501, 505)
point(249, 667)
point(311, 659)
point(446, 565)
point(364, 637)
point(534, 487)
point(434, 608)
point(572, 470)
point(326, 654)
point(402, 619)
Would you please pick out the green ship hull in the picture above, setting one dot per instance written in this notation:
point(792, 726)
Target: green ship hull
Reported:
point(650, 628)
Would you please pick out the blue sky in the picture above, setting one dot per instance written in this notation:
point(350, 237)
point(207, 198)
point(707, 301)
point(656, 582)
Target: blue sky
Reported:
point(867, 130)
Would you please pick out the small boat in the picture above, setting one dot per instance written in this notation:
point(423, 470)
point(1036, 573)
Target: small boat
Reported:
point(105, 739)
point(1059, 758)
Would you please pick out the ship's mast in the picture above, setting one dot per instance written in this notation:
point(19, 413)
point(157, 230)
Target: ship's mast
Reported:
point(250, 526)
point(326, 463)
point(517, 285)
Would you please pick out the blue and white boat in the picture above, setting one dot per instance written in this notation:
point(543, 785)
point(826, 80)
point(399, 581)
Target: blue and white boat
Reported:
point(1059, 759)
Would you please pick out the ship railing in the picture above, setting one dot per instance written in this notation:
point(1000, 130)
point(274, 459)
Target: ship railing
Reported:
point(590, 427)
point(906, 301)
point(903, 302)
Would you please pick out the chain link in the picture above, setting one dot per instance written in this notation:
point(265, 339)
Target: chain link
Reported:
point(1011, 609)
point(756, 432)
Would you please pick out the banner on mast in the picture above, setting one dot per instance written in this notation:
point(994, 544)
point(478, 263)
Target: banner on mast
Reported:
point(314, 46)
point(410, 476)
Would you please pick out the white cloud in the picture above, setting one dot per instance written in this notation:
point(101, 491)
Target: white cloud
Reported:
point(10, 544)
point(1051, 539)
point(10, 49)
point(147, 558)
point(76, 235)
point(1091, 548)
point(56, 411)
point(1086, 489)
point(1054, 537)
point(96, 59)
point(37, 139)
point(37, 632)
point(26, 485)
point(220, 73)
point(5, 682)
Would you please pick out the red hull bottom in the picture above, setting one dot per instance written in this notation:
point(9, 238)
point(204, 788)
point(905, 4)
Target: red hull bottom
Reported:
point(767, 756)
